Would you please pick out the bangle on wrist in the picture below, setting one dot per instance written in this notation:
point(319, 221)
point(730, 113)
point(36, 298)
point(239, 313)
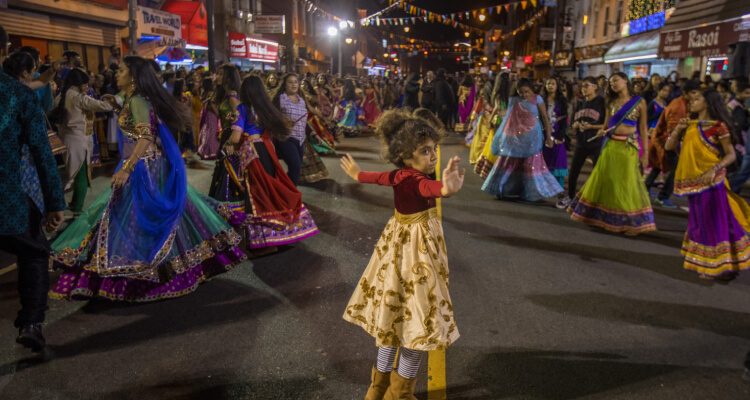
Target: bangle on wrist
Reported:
point(128, 166)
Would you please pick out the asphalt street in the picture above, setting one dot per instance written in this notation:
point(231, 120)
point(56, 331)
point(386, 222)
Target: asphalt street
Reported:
point(548, 308)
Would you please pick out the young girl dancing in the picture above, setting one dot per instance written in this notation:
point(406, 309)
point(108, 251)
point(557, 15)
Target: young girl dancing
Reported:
point(402, 299)
point(716, 244)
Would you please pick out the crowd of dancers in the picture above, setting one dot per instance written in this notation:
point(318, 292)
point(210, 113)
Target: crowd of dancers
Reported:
point(152, 236)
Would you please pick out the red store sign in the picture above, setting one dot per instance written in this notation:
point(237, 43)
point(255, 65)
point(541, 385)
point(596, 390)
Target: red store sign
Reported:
point(704, 41)
point(241, 46)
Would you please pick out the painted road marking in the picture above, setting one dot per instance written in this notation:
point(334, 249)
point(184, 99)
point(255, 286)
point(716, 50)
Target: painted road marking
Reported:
point(436, 380)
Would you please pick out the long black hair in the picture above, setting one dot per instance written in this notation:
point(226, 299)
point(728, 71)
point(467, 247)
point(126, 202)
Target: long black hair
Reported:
point(164, 106)
point(75, 77)
point(178, 89)
point(18, 63)
point(719, 112)
point(310, 88)
point(468, 81)
point(501, 89)
point(231, 83)
point(560, 99)
point(611, 94)
point(254, 97)
point(208, 87)
point(348, 92)
point(281, 88)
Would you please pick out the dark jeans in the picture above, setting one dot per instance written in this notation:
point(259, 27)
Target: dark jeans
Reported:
point(668, 188)
point(291, 151)
point(32, 251)
point(444, 115)
point(187, 141)
point(430, 107)
point(579, 158)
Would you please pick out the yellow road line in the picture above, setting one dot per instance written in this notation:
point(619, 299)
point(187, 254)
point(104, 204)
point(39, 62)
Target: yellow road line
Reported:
point(7, 269)
point(436, 380)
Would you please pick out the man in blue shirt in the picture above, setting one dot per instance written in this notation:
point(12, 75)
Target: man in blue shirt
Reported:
point(22, 124)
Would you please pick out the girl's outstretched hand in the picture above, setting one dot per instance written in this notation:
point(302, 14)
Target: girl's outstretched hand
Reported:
point(350, 166)
point(453, 179)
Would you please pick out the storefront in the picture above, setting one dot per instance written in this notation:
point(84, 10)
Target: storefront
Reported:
point(564, 64)
point(541, 64)
point(194, 24)
point(638, 56)
point(90, 29)
point(699, 33)
point(252, 53)
point(591, 60)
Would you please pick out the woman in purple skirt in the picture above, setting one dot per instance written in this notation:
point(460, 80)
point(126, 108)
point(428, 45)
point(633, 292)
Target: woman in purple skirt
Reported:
point(716, 244)
point(556, 157)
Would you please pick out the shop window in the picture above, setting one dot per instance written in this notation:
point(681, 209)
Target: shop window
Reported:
point(618, 21)
point(594, 20)
point(606, 22)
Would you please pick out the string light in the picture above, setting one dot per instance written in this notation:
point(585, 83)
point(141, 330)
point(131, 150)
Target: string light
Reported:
point(482, 17)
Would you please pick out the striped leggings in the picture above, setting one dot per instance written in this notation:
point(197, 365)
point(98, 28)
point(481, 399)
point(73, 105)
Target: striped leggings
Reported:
point(408, 361)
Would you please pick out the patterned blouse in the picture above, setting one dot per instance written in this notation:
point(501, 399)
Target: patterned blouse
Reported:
point(297, 113)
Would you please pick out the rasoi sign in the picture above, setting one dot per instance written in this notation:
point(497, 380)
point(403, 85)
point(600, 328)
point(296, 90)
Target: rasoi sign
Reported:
point(704, 41)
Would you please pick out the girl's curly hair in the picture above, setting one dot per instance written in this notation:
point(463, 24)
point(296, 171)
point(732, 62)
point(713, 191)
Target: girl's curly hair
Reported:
point(402, 134)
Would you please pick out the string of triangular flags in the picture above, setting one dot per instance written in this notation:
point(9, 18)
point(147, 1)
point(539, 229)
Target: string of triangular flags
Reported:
point(452, 19)
point(313, 8)
point(393, 5)
point(533, 20)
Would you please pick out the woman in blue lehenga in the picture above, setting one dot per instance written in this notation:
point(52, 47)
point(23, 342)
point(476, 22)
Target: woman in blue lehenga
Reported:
point(151, 236)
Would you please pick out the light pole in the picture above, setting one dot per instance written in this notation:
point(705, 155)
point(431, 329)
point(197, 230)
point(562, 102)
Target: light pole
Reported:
point(333, 32)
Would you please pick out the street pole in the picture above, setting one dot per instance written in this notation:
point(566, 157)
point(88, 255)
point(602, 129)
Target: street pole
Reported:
point(554, 40)
point(132, 26)
point(331, 54)
point(338, 42)
point(211, 36)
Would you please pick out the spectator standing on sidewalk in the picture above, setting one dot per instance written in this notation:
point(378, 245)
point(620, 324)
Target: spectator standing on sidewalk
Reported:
point(20, 220)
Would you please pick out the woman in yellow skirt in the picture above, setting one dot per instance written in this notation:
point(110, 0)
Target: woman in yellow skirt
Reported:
point(402, 298)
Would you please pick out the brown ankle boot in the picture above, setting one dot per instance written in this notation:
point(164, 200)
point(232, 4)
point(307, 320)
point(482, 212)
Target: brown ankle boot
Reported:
point(379, 385)
point(401, 388)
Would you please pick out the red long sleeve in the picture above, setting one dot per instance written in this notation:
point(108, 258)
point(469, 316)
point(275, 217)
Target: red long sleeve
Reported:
point(413, 191)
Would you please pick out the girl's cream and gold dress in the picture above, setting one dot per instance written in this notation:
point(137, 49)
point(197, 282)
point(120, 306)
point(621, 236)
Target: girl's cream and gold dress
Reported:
point(402, 299)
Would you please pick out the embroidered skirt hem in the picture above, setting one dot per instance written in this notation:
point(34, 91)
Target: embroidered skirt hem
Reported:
point(525, 177)
point(402, 299)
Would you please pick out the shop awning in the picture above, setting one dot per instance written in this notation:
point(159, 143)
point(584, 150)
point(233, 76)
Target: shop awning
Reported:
point(691, 13)
point(643, 46)
point(193, 19)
